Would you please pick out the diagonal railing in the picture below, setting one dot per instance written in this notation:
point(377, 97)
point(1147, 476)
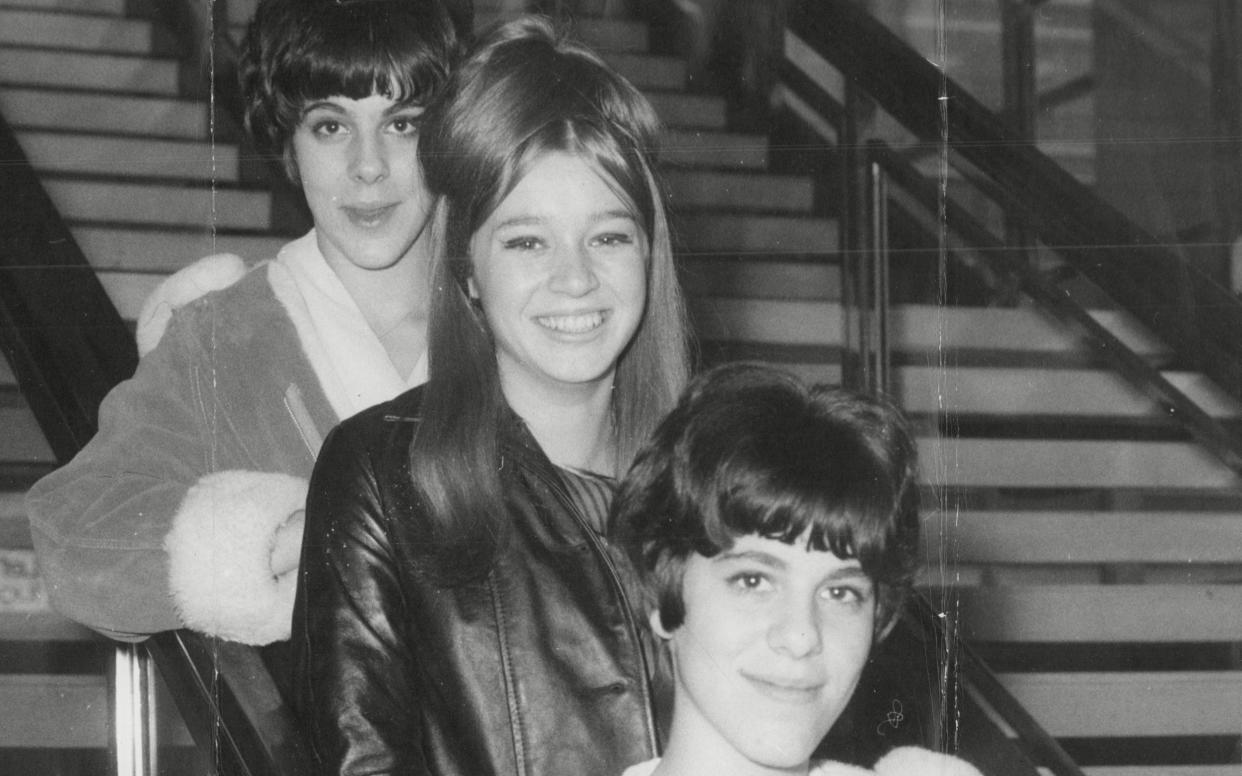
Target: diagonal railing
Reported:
point(1194, 315)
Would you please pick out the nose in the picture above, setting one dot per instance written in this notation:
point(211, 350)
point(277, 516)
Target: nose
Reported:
point(574, 273)
point(369, 160)
point(795, 630)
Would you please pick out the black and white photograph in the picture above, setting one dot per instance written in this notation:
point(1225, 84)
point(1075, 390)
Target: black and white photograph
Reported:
point(620, 387)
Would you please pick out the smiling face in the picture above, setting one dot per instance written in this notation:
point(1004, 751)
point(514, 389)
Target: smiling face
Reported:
point(358, 163)
point(774, 640)
point(559, 269)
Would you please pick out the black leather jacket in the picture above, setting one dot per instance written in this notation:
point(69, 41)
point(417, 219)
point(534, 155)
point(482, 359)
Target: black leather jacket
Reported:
point(539, 670)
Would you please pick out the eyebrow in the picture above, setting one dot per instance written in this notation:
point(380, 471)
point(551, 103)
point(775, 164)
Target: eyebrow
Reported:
point(603, 215)
point(771, 561)
point(327, 104)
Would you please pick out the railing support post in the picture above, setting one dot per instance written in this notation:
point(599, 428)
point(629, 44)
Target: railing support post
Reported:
point(133, 712)
point(1020, 102)
point(875, 355)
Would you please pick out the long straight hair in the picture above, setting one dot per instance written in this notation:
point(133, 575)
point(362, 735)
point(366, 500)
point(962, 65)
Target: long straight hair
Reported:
point(523, 93)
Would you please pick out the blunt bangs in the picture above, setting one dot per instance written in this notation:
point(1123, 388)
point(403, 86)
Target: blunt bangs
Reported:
point(750, 451)
point(813, 484)
point(298, 52)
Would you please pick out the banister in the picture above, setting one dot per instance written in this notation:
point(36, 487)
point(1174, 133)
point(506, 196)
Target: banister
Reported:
point(1198, 318)
point(1092, 235)
point(1206, 429)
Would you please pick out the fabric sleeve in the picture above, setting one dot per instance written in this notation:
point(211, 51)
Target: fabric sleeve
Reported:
point(355, 679)
point(100, 523)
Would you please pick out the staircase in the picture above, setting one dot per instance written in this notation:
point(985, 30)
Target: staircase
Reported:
point(1095, 555)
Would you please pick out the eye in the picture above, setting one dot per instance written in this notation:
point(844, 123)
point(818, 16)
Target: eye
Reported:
point(405, 125)
point(851, 595)
point(524, 243)
point(750, 582)
point(326, 127)
point(613, 239)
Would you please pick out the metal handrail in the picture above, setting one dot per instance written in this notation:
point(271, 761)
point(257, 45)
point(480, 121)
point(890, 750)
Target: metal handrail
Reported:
point(68, 346)
point(1196, 317)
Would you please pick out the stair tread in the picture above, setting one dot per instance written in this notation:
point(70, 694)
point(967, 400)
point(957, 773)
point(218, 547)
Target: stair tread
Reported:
point(1061, 464)
point(130, 157)
point(147, 116)
point(149, 203)
point(66, 30)
point(57, 711)
point(106, 72)
point(1132, 704)
point(114, 7)
point(1102, 613)
point(166, 251)
point(1066, 537)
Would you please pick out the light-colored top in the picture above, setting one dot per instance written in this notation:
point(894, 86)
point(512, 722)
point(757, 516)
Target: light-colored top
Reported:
point(348, 358)
point(903, 761)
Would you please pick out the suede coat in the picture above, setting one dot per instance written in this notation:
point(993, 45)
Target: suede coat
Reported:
point(168, 517)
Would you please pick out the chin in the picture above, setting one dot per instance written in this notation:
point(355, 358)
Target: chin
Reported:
point(775, 750)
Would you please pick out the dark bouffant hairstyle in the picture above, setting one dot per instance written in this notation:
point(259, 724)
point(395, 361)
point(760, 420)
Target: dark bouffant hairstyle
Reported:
point(752, 451)
point(524, 92)
point(299, 51)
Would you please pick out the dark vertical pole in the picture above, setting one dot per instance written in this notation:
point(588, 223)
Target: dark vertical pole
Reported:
point(1226, 109)
point(1020, 103)
point(854, 287)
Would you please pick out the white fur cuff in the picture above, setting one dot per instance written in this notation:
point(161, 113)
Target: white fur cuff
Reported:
point(916, 761)
point(220, 555)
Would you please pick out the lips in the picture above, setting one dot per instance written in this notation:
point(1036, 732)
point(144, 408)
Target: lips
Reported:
point(580, 323)
point(786, 689)
point(368, 216)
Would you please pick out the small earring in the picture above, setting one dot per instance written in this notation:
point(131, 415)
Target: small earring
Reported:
point(657, 625)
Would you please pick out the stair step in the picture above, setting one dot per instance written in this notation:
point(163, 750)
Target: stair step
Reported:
point(112, 7)
point(1102, 613)
point(135, 203)
point(42, 625)
point(129, 115)
point(1090, 464)
point(1105, 704)
point(697, 148)
point(744, 277)
point(732, 235)
point(58, 711)
point(22, 440)
point(601, 34)
point(135, 157)
point(14, 527)
point(727, 190)
point(61, 30)
point(72, 70)
point(166, 251)
point(913, 328)
point(999, 392)
point(1032, 537)
point(649, 71)
point(689, 110)
point(1161, 770)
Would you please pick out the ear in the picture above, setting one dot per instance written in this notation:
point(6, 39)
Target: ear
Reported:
point(472, 290)
point(657, 627)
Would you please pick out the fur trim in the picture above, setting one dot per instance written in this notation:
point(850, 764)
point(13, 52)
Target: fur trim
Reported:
point(916, 761)
point(192, 281)
point(220, 555)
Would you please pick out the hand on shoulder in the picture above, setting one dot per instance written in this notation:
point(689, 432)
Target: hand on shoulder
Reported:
point(192, 281)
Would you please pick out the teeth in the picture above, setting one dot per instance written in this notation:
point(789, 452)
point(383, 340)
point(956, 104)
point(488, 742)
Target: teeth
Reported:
point(573, 324)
